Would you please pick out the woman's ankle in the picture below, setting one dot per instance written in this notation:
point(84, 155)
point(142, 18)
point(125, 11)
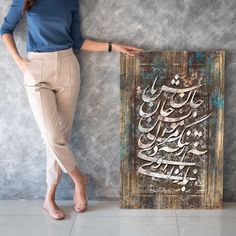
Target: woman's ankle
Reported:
point(49, 199)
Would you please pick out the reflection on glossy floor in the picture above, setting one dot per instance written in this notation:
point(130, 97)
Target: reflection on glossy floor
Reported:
point(105, 218)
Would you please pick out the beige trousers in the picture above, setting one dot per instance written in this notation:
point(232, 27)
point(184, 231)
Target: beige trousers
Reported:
point(52, 83)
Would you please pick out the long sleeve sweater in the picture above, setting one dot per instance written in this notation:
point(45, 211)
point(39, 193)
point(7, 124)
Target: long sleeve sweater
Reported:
point(51, 24)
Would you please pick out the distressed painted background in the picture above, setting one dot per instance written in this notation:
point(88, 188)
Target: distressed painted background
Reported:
point(157, 171)
point(151, 25)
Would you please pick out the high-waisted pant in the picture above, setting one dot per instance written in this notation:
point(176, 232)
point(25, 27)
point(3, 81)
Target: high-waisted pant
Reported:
point(52, 83)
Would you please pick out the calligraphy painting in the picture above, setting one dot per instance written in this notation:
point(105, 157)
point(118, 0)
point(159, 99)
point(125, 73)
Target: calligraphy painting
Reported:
point(171, 126)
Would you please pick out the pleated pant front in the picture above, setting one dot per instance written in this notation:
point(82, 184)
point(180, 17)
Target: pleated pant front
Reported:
point(52, 84)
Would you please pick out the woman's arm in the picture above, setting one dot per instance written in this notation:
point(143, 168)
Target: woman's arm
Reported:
point(8, 26)
point(96, 46)
point(91, 45)
point(11, 47)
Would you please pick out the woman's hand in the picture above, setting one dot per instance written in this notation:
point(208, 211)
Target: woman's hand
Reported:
point(22, 63)
point(130, 50)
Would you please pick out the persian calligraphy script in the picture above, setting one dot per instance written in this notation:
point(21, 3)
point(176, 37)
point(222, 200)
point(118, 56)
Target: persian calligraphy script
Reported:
point(168, 117)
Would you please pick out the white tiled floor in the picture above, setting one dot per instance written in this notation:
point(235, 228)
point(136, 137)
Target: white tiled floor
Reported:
point(105, 218)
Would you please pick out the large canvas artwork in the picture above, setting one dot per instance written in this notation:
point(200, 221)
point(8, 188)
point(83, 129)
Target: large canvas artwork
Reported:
point(171, 126)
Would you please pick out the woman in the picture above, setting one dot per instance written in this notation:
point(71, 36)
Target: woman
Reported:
point(52, 83)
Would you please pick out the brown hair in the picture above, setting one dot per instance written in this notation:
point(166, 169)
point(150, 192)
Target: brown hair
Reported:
point(27, 5)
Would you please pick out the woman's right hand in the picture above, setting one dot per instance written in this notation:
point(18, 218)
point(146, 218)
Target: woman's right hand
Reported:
point(22, 63)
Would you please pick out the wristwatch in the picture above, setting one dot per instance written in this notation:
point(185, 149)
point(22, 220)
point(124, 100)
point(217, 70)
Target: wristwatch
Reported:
point(109, 46)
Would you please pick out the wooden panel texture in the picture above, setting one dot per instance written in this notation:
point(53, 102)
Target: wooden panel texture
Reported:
point(171, 126)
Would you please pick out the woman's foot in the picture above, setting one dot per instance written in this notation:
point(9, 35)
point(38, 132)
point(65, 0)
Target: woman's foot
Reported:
point(80, 195)
point(53, 210)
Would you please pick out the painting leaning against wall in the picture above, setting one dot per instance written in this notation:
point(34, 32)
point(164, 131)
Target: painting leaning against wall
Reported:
point(171, 127)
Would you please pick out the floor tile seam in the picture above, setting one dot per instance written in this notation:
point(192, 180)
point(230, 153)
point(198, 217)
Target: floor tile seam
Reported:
point(72, 225)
